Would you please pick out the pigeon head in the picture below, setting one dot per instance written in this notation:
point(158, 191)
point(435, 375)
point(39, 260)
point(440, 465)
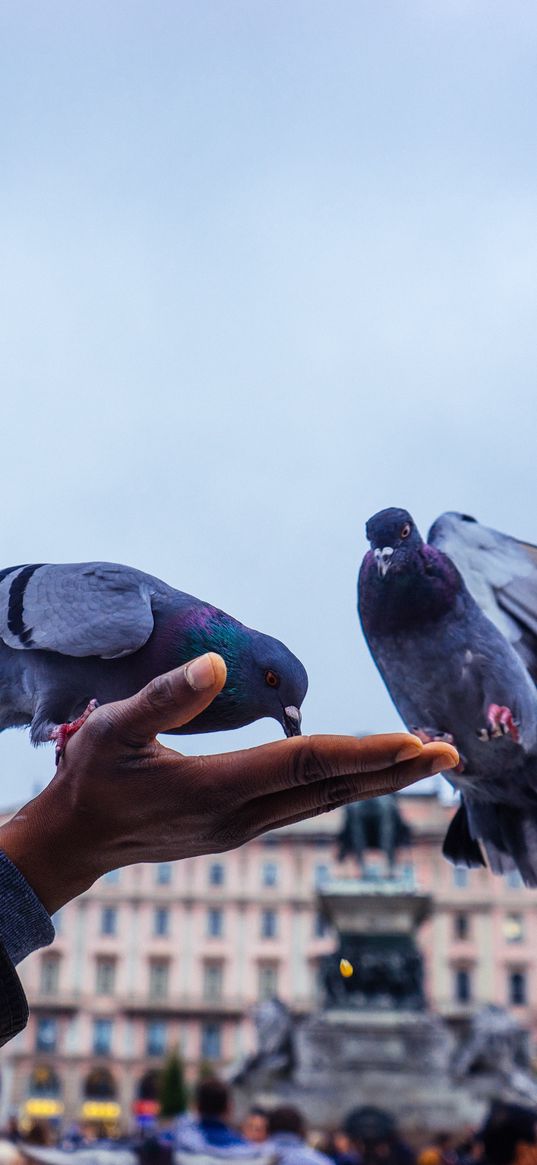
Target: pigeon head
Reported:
point(394, 539)
point(264, 678)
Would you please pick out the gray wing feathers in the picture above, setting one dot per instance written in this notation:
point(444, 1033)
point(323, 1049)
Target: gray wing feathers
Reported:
point(80, 609)
point(499, 571)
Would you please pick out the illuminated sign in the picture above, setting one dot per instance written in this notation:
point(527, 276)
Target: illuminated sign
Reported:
point(146, 1107)
point(101, 1110)
point(40, 1106)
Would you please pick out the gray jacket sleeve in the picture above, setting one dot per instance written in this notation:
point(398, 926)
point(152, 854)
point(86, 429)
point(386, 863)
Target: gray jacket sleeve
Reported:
point(24, 926)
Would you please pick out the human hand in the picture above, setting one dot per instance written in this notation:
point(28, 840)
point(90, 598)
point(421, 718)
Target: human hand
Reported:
point(120, 797)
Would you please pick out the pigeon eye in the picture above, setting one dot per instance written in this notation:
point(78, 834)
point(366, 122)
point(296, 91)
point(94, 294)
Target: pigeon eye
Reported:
point(272, 679)
point(406, 530)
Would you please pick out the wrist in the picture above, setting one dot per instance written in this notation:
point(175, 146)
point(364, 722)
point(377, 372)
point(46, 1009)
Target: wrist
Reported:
point(41, 841)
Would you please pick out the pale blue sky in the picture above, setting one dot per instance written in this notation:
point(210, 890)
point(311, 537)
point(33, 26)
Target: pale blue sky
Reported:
point(265, 269)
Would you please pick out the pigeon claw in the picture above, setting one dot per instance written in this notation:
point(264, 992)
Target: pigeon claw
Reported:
point(500, 722)
point(430, 735)
point(62, 733)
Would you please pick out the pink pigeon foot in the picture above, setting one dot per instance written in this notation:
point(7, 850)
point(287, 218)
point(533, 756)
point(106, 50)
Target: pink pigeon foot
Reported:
point(62, 733)
point(500, 722)
point(430, 735)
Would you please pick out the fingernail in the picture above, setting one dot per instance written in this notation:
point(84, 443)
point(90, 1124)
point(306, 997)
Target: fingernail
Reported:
point(199, 673)
point(411, 749)
point(442, 764)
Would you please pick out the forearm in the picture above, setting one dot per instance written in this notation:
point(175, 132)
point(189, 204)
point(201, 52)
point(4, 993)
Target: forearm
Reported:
point(41, 842)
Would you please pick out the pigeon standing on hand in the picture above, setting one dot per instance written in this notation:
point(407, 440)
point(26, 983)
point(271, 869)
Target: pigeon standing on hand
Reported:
point(460, 668)
point(76, 635)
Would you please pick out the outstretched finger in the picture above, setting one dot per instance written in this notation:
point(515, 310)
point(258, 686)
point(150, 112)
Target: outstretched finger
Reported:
point(168, 701)
point(286, 764)
point(277, 809)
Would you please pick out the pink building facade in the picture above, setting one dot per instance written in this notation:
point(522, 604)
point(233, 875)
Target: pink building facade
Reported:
point(157, 957)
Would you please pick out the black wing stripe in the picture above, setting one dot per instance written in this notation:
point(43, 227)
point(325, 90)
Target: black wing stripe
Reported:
point(15, 620)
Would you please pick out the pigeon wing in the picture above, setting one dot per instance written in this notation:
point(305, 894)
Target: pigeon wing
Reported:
point(501, 575)
point(81, 609)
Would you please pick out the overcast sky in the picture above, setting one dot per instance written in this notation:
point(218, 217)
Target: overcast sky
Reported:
point(265, 269)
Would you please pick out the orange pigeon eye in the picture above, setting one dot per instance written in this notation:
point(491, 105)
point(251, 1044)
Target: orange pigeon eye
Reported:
point(272, 679)
point(406, 530)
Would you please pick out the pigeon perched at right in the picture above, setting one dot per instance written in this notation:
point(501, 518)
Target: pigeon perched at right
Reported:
point(461, 668)
point(75, 635)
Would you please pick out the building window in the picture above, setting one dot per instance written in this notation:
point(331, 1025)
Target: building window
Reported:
point(460, 877)
point(158, 978)
point(213, 975)
point(216, 874)
point(462, 985)
point(518, 994)
point(50, 974)
point(269, 874)
point(267, 984)
point(211, 1041)
point(112, 877)
point(513, 928)
point(156, 1037)
point(46, 1036)
point(44, 1081)
point(108, 920)
point(163, 874)
point(102, 1037)
point(269, 924)
point(321, 873)
point(215, 922)
point(106, 976)
point(461, 926)
point(321, 926)
point(161, 922)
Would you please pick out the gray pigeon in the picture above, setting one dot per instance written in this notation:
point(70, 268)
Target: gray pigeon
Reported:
point(79, 634)
point(452, 628)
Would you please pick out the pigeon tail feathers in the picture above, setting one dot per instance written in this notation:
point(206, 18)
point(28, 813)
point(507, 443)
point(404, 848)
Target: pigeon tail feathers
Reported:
point(509, 837)
point(459, 846)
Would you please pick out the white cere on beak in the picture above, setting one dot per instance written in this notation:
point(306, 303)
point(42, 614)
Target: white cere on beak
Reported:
point(383, 559)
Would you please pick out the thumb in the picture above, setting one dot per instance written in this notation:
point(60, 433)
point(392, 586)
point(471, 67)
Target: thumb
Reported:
point(170, 700)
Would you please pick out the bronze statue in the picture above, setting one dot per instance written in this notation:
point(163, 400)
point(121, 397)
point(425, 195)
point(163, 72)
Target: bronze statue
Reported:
point(374, 824)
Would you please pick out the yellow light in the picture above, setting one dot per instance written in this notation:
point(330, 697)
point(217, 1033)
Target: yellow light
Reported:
point(101, 1110)
point(346, 968)
point(41, 1107)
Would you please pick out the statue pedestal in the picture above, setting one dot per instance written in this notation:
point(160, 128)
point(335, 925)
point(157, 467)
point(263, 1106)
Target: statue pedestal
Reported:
point(377, 922)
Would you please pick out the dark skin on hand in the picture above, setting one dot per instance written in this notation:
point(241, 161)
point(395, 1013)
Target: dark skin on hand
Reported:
point(120, 797)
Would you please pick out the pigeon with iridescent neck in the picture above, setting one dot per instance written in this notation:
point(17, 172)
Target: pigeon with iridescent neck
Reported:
point(76, 635)
point(453, 675)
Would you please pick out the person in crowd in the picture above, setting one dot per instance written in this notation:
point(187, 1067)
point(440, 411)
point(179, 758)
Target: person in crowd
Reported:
point(255, 1126)
point(287, 1139)
point(211, 1131)
point(439, 1152)
point(374, 1133)
point(338, 1146)
point(120, 797)
point(509, 1135)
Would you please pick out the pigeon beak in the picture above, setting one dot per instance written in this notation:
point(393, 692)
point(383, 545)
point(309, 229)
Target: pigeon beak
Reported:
point(383, 559)
point(292, 720)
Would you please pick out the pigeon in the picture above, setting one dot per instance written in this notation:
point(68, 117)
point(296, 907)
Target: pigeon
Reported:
point(75, 635)
point(452, 627)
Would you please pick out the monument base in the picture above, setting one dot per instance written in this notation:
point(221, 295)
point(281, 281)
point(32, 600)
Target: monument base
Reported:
point(395, 1061)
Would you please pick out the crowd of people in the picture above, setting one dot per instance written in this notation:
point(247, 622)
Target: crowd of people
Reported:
point(279, 1136)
